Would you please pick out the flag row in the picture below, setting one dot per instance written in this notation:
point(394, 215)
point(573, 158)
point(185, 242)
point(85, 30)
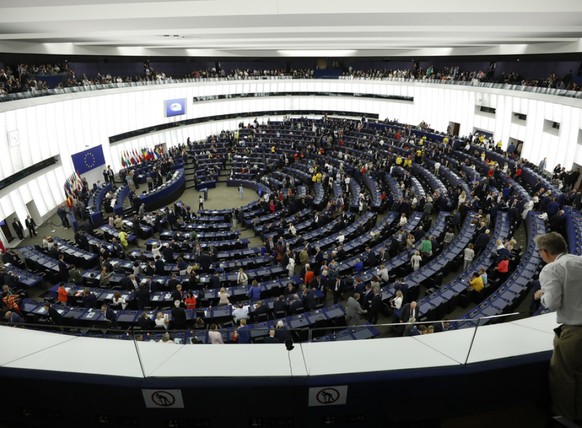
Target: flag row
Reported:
point(72, 184)
point(135, 156)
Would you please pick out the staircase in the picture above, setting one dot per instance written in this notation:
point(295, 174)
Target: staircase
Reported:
point(224, 173)
point(190, 174)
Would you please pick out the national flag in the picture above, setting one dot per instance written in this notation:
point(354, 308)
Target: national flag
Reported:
point(67, 188)
point(132, 158)
point(123, 162)
point(144, 152)
point(76, 181)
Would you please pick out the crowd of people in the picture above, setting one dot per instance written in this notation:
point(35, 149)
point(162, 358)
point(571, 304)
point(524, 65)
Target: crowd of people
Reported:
point(28, 77)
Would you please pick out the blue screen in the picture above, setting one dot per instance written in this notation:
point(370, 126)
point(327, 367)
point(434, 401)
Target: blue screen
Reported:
point(175, 107)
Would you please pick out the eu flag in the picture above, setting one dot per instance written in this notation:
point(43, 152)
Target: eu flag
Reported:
point(89, 159)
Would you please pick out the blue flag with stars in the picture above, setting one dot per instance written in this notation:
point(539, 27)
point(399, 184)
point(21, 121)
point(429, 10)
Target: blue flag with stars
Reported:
point(89, 159)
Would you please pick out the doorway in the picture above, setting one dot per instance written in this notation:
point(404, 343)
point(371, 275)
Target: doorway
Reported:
point(454, 128)
point(6, 230)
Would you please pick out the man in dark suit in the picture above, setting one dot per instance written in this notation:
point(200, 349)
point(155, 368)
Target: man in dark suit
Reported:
point(150, 269)
point(109, 315)
point(271, 337)
point(177, 293)
point(178, 316)
point(295, 305)
point(82, 241)
point(159, 266)
point(558, 223)
point(54, 315)
point(205, 262)
point(280, 306)
point(309, 299)
point(337, 286)
point(129, 283)
point(168, 253)
point(142, 296)
point(371, 259)
point(376, 305)
point(366, 299)
point(173, 282)
point(409, 312)
point(214, 281)
point(17, 226)
point(260, 309)
point(63, 269)
point(89, 298)
point(30, 225)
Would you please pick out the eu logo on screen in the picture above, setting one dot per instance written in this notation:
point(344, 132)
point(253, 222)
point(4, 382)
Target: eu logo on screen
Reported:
point(175, 107)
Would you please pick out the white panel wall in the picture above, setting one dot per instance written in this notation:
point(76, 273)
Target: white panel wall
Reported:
point(66, 124)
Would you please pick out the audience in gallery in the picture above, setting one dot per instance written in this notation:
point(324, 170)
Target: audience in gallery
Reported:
point(28, 77)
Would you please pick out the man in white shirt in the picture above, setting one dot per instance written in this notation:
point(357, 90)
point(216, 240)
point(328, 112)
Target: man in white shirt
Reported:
point(561, 291)
point(240, 313)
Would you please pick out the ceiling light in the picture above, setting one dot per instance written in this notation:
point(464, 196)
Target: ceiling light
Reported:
point(318, 53)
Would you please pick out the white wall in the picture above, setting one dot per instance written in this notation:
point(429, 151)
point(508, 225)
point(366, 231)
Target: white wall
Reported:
point(35, 129)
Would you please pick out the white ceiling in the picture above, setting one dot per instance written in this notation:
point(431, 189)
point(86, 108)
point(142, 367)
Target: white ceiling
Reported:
point(270, 28)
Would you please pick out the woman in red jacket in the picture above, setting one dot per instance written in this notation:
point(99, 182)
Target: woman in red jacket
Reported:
point(62, 294)
point(190, 300)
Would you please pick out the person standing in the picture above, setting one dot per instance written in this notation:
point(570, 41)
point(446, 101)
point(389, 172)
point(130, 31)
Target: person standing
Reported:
point(62, 213)
point(241, 191)
point(30, 225)
point(17, 226)
point(201, 202)
point(561, 291)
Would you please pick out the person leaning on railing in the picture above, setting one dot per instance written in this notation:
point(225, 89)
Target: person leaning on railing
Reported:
point(561, 291)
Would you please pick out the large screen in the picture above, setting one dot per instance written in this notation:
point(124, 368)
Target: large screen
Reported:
point(175, 107)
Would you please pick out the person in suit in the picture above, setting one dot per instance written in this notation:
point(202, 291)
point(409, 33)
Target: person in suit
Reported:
point(354, 310)
point(159, 266)
point(62, 213)
point(30, 225)
point(109, 315)
point(366, 298)
point(63, 269)
point(17, 226)
point(177, 293)
point(376, 305)
point(130, 283)
point(337, 286)
point(282, 333)
point(82, 241)
point(295, 305)
point(178, 316)
point(168, 253)
point(54, 315)
point(142, 296)
point(259, 310)
point(280, 306)
point(371, 258)
point(145, 322)
point(271, 337)
point(75, 275)
point(89, 299)
point(309, 299)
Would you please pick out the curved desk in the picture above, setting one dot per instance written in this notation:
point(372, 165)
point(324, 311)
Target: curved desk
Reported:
point(166, 193)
